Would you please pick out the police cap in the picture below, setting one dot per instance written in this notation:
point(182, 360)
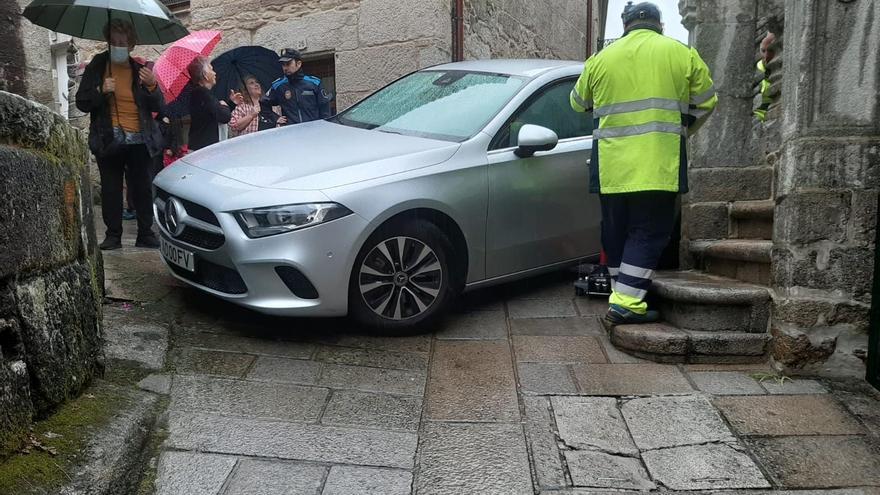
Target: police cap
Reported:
point(643, 11)
point(288, 54)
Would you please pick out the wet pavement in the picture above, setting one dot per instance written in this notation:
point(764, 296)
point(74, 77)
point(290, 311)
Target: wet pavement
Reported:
point(519, 392)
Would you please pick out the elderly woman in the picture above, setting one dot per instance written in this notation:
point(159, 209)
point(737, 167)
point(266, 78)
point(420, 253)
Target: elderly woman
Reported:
point(247, 116)
point(206, 113)
point(121, 95)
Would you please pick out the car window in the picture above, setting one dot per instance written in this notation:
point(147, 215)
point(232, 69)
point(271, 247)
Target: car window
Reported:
point(449, 105)
point(550, 109)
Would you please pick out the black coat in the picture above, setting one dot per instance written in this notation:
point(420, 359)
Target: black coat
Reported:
point(89, 98)
point(206, 113)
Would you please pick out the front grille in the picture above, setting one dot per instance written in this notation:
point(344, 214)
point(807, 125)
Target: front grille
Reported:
point(296, 282)
point(190, 235)
point(192, 209)
point(213, 276)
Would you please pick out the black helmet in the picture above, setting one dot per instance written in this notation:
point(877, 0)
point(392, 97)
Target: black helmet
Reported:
point(640, 12)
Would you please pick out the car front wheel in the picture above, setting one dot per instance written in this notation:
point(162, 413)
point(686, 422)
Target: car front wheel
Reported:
point(402, 281)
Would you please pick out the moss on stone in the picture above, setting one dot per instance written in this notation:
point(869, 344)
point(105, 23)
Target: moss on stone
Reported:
point(70, 427)
point(153, 450)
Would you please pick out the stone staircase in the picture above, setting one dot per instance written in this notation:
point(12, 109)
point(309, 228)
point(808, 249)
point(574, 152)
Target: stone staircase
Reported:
point(718, 312)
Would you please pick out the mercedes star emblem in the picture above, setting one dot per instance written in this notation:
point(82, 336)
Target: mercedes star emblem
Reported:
point(174, 215)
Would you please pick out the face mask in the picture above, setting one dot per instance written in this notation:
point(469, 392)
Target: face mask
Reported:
point(118, 54)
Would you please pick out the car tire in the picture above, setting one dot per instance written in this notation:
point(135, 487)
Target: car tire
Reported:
point(404, 293)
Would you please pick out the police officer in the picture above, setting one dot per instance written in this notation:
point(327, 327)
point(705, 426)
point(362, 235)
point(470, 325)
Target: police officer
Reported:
point(301, 97)
point(647, 92)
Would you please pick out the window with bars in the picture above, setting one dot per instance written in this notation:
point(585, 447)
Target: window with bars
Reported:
point(177, 6)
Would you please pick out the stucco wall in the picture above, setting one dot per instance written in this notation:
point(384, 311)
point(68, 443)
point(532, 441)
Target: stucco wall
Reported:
point(526, 29)
point(50, 271)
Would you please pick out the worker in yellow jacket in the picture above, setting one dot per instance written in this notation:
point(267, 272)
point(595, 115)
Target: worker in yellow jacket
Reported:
point(647, 92)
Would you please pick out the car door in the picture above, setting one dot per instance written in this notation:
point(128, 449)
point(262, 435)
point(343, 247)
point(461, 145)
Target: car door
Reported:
point(540, 211)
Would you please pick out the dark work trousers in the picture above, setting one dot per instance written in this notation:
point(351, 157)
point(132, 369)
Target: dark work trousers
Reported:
point(635, 230)
point(134, 163)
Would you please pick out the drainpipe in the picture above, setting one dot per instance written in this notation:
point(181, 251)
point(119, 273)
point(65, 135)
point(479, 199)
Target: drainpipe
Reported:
point(457, 30)
point(589, 28)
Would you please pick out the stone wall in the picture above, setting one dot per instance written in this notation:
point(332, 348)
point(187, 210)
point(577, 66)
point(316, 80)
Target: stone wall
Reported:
point(26, 56)
point(828, 178)
point(526, 29)
point(50, 276)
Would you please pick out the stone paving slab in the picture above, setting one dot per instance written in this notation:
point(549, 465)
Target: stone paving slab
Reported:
point(403, 382)
point(558, 349)
point(661, 422)
point(158, 383)
point(457, 458)
point(475, 325)
point(373, 358)
point(541, 308)
point(192, 473)
point(788, 415)
point(264, 477)
point(546, 379)
point(245, 398)
point(295, 441)
point(592, 306)
point(818, 461)
point(592, 423)
point(472, 381)
point(793, 387)
point(393, 412)
point(616, 356)
point(144, 343)
point(196, 361)
point(556, 326)
point(274, 369)
point(413, 343)
point(540, 429)
point(351, 480)
point(726, 383)
point(246, 345)
point(744, 367)
point(630, 379)
point(866, 407)
point(540, 289)
point(704, 467)
point(600, 470)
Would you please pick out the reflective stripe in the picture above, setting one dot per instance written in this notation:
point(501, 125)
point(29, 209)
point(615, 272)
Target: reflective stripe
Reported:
point(635, 271)
point(613, 271)
point(699, 113)
point(613, 284)
point(630, 291)
point(635, 130)
point(580, 101)
point(704, 96)
point(639, 105)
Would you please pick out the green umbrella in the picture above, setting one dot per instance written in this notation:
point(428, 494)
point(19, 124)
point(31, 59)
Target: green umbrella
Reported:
point(152, 21)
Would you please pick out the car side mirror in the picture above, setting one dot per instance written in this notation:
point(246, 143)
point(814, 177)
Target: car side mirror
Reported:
point(534, 138)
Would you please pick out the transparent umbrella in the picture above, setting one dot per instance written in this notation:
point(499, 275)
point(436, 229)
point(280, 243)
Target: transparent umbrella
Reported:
point(152, 21)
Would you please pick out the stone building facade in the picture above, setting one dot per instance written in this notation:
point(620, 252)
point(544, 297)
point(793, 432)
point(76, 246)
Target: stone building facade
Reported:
point(791, 203)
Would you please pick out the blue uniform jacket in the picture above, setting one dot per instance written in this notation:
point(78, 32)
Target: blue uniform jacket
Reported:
point(301, 98)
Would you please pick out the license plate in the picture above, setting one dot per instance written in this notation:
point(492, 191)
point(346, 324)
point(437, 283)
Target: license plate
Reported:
point(178, 256)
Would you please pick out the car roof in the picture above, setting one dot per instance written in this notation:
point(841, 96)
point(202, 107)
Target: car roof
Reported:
point(514, 67)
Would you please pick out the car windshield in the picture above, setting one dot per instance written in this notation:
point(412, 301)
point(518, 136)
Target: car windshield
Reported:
point(449, 105)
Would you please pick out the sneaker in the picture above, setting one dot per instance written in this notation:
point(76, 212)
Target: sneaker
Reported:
point(619, 315)
point(147, 241)
point(110, 243)
point(129, 214)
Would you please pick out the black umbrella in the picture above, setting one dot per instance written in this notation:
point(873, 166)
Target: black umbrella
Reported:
point(152, 21)
point(232, 66)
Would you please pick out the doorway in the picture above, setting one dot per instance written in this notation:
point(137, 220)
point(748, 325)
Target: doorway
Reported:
point(873, 375)
point(322, 66)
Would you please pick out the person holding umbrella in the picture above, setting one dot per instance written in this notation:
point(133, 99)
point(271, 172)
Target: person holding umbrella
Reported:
point(121, 94)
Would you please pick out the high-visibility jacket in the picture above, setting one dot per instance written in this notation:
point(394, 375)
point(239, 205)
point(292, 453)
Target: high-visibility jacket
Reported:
point(646, 92)
point(766, 100)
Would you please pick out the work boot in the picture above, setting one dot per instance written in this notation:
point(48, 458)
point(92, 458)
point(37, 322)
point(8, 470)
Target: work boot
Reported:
point(619, 315)
point(147, 241)
point(110, 243)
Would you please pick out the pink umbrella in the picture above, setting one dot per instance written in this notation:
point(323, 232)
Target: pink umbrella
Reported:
point(170, 68)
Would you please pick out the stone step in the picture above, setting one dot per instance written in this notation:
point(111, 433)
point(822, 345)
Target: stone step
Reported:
point(665, 343)
point(743, 259)
point(751, 219)
point(700, 302)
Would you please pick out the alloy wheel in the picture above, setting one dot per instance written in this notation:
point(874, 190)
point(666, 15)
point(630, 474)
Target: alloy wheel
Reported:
point(400, 278)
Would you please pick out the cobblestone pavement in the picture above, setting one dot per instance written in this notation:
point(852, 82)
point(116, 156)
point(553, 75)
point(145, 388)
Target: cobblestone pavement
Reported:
point(519, 392)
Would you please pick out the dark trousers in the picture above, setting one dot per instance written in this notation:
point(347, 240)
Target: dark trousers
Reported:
point(133, 163)
point(635, 230)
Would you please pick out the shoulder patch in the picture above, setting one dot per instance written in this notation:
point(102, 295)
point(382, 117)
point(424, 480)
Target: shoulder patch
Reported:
point(312, 79)
point(278, 82)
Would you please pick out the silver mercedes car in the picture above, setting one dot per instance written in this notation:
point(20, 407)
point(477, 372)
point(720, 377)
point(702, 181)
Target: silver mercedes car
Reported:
point(451, 178)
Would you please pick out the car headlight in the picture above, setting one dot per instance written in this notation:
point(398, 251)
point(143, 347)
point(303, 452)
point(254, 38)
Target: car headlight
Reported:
point(271, 220)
